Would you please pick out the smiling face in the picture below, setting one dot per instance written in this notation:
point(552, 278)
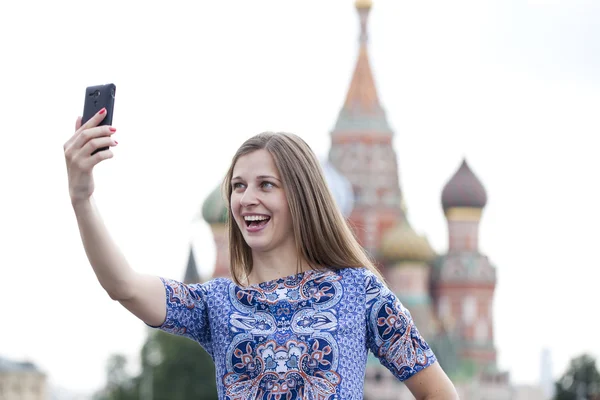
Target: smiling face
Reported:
point(259, 204)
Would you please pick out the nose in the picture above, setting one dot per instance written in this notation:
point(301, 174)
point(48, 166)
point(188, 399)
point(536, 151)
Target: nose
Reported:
point(248, 198)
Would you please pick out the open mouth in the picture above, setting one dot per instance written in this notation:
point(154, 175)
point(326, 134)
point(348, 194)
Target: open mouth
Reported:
point(256, 221)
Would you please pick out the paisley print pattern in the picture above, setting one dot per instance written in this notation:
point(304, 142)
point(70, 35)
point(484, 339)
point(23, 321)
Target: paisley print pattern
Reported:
point(305, 336)
point(395, 339)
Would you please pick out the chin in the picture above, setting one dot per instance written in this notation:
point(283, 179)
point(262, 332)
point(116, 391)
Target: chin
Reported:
point(257, 244)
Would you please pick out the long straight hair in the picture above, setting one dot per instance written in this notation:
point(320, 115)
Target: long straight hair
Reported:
point(321, 233)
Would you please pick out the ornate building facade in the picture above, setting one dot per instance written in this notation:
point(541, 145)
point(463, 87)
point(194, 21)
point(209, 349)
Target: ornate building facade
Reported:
point(450, 295)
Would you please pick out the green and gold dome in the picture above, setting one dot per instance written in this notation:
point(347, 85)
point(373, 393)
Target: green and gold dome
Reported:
point(402, 243)
point(214, 208)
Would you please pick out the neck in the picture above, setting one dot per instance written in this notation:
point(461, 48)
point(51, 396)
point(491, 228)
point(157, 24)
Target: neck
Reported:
point(275, 264)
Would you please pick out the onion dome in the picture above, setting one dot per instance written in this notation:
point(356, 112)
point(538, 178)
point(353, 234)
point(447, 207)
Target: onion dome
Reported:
point(340, 187)
point(464, 189)
point(214, 209)
point(402, 243)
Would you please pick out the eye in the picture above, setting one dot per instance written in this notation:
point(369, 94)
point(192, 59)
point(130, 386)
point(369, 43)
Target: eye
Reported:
point(237, 185)
point(267, 185)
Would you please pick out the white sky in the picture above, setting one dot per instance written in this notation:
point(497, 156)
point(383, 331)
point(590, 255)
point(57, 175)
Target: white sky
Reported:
point(513, 85)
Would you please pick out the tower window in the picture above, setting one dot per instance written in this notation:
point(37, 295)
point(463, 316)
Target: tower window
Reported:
point(469, 309)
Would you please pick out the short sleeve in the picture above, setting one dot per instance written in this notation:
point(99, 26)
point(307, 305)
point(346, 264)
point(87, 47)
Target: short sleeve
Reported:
point(392, 335)
point(187, 312)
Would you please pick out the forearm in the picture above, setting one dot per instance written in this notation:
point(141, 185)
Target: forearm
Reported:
point(431, 383)
point(446, 391)
point(109, 264)
point(450, 395)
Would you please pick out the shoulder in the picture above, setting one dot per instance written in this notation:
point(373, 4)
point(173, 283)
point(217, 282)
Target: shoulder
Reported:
point(350, 273)
point(218, 283)
point(218, 287)
point(208, 288)
point(362, 274)
point(361, 277)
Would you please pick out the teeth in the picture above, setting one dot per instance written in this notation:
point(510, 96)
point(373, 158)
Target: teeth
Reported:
point(255, 218)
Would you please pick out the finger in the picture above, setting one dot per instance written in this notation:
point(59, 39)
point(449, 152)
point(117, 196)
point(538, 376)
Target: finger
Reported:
point(95, 144)
point(95, 120)
point(72, 138)
point(90, 162)
point(78, 127)
point(86, 135)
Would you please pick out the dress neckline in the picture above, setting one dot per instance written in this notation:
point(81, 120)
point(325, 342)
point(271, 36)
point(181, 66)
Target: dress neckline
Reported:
point(294, 278)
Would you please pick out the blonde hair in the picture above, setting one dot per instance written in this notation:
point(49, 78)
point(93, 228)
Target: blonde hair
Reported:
point(321, 233)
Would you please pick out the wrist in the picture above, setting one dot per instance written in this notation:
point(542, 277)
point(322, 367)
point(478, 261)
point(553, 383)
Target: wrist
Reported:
point(81, 205)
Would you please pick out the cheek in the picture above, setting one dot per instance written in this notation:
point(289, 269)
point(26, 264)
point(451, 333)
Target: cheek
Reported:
point(284, 212)
point(234, 205)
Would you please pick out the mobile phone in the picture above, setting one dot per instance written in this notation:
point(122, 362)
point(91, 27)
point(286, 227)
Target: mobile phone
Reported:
point(96, 98)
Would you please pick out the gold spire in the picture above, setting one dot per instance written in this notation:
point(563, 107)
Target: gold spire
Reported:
point(363, 3)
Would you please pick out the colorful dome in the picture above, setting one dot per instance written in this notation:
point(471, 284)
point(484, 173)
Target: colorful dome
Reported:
point(340, 187)
point(402, 243)
point(214, 209)
point(464, 189)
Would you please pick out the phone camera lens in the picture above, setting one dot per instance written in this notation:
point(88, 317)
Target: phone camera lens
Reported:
point(97, 93)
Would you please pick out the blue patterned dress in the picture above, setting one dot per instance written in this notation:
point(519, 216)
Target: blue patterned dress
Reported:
point(305, 336)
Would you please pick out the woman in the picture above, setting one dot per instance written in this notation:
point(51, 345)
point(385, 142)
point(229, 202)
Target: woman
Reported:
point(305, 304)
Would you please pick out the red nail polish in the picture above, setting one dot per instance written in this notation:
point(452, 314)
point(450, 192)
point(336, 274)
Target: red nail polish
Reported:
point(102, 111)
point(112, 129)
point(116, 142)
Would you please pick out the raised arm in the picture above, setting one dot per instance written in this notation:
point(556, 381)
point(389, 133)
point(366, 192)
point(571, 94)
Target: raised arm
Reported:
point(143, 295)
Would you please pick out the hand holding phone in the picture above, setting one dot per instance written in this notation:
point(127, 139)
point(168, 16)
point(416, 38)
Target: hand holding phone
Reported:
point(90, 143)
point(97, 98)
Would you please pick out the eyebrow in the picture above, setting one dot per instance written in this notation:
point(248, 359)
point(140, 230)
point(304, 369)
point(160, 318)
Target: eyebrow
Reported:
point(257, 178)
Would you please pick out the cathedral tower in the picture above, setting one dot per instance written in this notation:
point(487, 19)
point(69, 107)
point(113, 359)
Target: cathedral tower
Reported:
point(361, 149)
point(464, 279)
point(191, 271)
